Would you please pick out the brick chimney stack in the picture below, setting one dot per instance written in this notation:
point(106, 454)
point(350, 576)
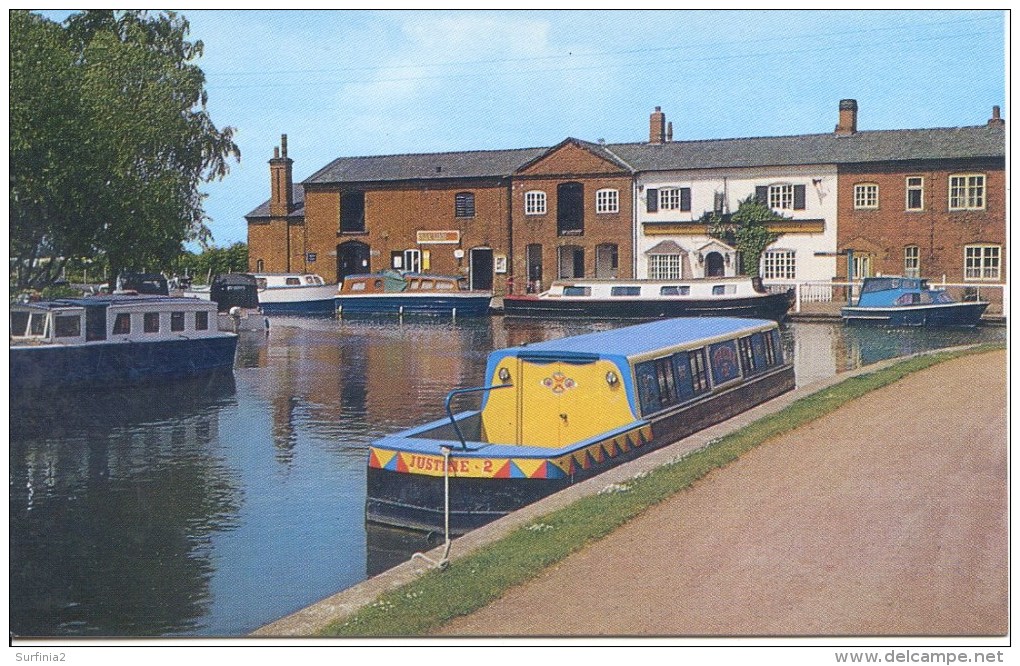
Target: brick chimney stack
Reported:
point(281, 176)
point(657, 126)
point(996, 119)
point(847, 117)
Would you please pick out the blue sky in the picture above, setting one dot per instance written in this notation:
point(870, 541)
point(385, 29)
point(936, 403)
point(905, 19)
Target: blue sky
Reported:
point(345, 83)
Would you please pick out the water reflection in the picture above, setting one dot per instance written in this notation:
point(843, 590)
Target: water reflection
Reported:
point(112, 497)
point(214, 508)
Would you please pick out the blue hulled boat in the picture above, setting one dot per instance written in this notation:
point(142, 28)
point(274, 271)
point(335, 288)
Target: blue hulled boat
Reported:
point(410, 293)
point(102, 341)
point(901, 301)
point(557, 412)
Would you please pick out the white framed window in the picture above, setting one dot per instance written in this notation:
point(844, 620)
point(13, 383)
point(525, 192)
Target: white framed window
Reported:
point(912, 261)
point(664, 267)
point(967, 191)
point(915, 193)
point(607, 201)
point(779, 265)
point(781, 197)
point(866, 195)
point(862, 266)
point(982, 262)
point(534, 202)
point(669, 198)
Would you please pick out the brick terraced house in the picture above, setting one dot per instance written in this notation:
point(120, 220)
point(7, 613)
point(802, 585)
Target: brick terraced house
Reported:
point(918, 201)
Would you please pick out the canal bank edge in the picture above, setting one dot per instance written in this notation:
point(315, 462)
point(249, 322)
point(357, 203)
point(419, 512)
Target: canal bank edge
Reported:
point(330, 613)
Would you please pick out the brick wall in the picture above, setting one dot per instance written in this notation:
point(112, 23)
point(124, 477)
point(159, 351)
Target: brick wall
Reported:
point(939, 233)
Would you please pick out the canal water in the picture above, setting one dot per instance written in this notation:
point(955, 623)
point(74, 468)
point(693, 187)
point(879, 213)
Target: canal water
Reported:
point(212, 508)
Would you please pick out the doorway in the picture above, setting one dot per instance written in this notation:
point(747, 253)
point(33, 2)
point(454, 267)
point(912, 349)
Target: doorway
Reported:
point(571, 262)
point(352, 258)
point(480, 267)
point(607, 261)
point(715, 265)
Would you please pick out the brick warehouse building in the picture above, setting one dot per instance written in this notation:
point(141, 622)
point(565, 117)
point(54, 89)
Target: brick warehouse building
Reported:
point(514, 219)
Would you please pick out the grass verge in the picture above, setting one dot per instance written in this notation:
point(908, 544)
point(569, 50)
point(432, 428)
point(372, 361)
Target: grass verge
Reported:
point(475, 580)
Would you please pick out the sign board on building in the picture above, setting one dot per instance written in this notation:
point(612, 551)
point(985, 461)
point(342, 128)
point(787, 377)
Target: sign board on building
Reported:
point(311, 257)
point(438, 237)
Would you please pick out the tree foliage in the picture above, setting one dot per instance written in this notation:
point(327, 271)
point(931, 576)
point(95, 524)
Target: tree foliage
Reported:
point(213, 261)
point(114, 145)
point(746, 230)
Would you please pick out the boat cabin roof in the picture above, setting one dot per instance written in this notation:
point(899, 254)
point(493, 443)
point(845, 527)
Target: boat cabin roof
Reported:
point(642, 340)
point(116, 300)
point(891, 282)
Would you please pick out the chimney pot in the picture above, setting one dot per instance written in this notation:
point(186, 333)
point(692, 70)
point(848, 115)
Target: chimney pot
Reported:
point(276, 152)
point(283, 145)
point(669, 132)
point(996, 118)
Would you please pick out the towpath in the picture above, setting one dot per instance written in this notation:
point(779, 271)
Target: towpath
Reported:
point(887, 517)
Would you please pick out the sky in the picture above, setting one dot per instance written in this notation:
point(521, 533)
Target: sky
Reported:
point(353, 83)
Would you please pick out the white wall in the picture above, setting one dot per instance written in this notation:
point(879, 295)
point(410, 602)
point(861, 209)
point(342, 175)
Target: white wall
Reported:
point(738, 184)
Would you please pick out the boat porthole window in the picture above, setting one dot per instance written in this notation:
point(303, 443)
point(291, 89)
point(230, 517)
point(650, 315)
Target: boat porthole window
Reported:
point(504, 375)
point(611, 378)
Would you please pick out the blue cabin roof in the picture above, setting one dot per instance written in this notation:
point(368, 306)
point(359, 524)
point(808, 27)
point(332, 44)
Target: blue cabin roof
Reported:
point(623, 343)
point(891, 291)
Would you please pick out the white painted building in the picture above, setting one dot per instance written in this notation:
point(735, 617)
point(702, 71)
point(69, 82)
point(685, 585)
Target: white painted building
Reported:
point(671, 241)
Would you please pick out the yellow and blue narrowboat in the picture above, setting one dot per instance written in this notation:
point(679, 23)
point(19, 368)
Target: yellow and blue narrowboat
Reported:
point(561, 411)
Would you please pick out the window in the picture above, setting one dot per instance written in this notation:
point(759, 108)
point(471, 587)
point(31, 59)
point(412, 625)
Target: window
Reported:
point(656, 384)
point(607, 201)
point(67, 326)
point(534, 203)
point(981, 262)
point(782, 196)
point(293, 282)
point(915, 193)
point(664, 267)
point(912, 261)
point(967, 192)
point(570, 209)
point(122, 324)
point(176, 321)
point(577, 291)
point(260, 266)
point(866, 196)
point(725, 366)
point(150, 322)
point(779, 265)
point(201, 321)
point(464, 204)
point(675, 198)
point(699, 370)
point(352, 212)
point(675, 290)
point(862, 266)
point(19, 322)
point(37, 324)
point(747, 355)
point(625, 291)
point(722, 289)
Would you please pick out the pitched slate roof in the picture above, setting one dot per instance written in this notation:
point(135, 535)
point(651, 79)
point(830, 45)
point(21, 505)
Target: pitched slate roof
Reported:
point(426, 166)
point(867, 146)
point(870, 146)
point(298, 210)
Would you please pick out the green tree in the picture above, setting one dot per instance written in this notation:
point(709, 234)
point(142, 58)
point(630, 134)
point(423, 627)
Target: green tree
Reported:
point(53, 181)
point(213, 261)
point(746, 230)
point(138, 112)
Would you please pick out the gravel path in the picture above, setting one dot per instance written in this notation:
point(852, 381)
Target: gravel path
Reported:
point(887, 517)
